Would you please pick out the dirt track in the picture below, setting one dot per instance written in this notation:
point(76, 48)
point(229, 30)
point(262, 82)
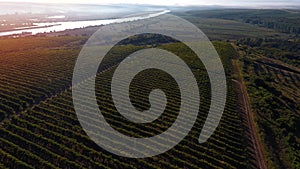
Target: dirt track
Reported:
point(249, 120)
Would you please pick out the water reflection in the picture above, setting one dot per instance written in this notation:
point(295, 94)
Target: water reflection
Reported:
point(61, 26)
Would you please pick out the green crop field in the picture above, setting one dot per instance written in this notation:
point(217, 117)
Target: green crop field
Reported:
point(41, 128)
point(259, 128)
point(34, 69)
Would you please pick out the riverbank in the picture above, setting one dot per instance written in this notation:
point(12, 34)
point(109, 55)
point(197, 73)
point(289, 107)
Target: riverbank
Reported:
point(50, 27)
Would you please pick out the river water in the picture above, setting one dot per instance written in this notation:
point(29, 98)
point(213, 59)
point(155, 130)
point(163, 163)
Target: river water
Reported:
point(61, 26)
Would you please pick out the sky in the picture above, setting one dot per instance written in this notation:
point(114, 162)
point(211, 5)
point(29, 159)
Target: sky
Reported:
point(177, 2)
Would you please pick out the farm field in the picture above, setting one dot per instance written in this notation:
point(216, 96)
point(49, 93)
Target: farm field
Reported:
point(268, 59)
point(259, 128)
point(44, 132)
point(34, 69)
point(220, 28)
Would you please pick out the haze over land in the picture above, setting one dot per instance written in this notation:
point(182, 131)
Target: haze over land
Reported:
point(118, 6)
point(246, 3)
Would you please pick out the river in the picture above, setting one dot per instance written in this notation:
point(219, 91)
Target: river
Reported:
point(48, 27)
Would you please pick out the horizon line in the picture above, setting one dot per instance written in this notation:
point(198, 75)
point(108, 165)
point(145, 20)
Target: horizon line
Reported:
point(245, 6)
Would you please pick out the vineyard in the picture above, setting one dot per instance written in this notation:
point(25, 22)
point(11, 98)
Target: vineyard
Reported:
point(33, 70)
point(40, 128)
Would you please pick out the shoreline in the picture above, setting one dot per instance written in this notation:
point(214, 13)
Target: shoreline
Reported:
point(70, 25)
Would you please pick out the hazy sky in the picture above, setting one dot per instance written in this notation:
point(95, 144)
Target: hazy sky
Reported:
point(177, 2)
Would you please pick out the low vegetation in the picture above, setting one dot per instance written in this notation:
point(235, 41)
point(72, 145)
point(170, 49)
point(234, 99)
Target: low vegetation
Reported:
point(48, 134)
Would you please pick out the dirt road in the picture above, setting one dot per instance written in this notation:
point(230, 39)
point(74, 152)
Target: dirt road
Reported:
point(249, 119)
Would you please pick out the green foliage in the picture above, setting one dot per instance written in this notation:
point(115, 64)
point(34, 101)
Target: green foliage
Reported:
point(33, 69)
point(283, 49)
point(49, 134)
point(286, 21)
point(274, 97)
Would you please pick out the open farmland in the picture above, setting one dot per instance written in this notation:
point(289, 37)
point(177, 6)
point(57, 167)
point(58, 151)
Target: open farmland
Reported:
point(34, 69)
point(259, 129)
point(43, 131)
